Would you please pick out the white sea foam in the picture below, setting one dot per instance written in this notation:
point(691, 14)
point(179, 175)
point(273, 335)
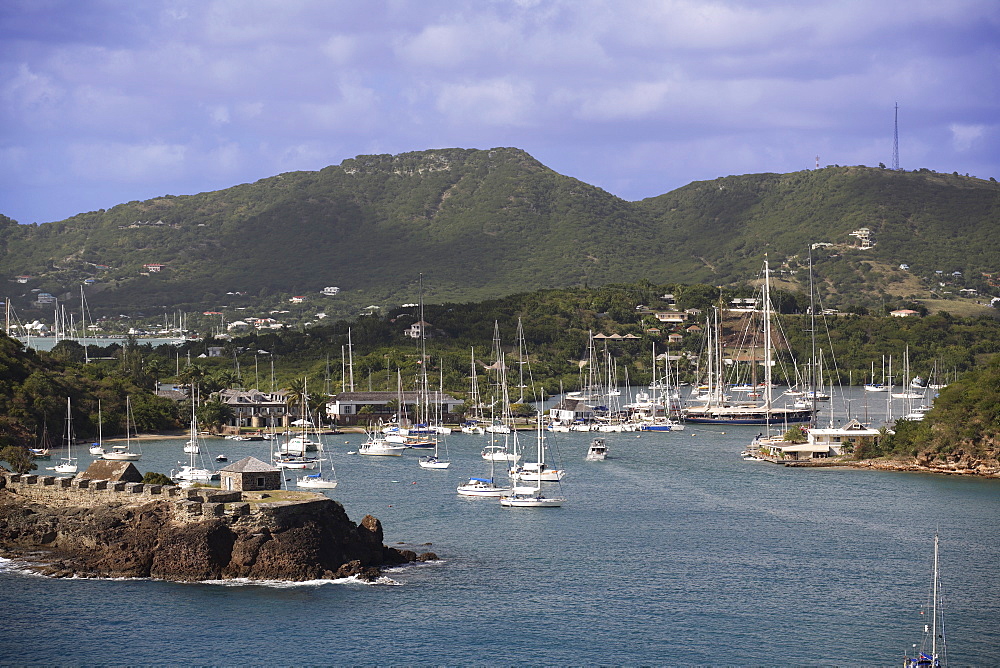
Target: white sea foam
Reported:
point(15, 566)
point(288, 584)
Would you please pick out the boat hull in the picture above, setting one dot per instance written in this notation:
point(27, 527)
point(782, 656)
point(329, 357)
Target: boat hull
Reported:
point(530, 502)
point(310, 482)
point(121, 456)
point(483, 490)
point(382, 452)
point(433, 464)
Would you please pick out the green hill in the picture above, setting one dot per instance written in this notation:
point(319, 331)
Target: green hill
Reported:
point(481, 224)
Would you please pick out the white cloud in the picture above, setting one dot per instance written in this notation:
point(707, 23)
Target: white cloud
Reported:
point(354, 107)
point(227, 158)
point(340, 49)
point(964, 136)
point(178, 92)
point(28, 89)
point(492, 102)
point(127, 163)
point(219, 114)
point(635, 100)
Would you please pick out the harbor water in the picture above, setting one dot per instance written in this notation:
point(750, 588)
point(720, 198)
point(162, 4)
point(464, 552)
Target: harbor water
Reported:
point(674, 550)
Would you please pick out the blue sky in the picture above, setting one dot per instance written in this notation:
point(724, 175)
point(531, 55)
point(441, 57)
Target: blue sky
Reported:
point(108, 101)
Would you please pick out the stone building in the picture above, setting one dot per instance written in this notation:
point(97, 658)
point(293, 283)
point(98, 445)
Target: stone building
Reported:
point(256, 409)
point(250, 475)
point(345, 407)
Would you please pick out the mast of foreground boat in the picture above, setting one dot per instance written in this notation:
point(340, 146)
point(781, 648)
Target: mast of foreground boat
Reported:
point(767, 339)
point(934, 602)
point(70, 466)
point(767, 348)
point(812, 337)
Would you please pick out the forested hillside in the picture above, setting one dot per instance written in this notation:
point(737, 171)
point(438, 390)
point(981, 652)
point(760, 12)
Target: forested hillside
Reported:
point(34, 388)
point(483, 224)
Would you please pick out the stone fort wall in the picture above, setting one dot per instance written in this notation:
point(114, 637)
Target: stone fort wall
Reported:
point(189, 505)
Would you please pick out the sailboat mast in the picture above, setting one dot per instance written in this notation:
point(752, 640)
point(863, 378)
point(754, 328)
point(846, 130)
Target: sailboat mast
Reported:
point(812, 330)
point(767, 337)
point(83, 327)
point(423, 415)
point(350, 358)
point(934, 603)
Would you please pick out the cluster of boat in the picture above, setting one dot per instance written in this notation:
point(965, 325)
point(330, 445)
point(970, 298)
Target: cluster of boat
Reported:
point(121, 452)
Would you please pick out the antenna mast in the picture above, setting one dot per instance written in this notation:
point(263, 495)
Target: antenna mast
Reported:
point(895, 141)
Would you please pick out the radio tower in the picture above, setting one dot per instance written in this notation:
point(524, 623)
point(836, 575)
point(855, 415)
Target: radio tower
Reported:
point(895, 141)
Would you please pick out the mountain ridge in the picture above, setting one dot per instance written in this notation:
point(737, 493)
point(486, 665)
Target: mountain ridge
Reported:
point(486, 223)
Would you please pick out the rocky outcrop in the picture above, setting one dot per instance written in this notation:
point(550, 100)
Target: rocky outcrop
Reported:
point(301, 540)
point(958, 462)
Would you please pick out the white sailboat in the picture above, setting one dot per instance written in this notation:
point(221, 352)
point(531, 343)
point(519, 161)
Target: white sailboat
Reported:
point(483, 486)
point(97, 449)
point(531, 497)
point(302, 442)
point(472, 425)
point(434, 461)
point(907, 392)
point(68, 463)
point(930, 652)
point(874, 386)
point(502, 424)
point(318, 480)
point(537, 470)
point(123, 453)
point(429, 461)
point(508, 452)
point(189, 473)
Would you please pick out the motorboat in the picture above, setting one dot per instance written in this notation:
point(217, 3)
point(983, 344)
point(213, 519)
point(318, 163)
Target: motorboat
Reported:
point(598, 450)
point(378, 446)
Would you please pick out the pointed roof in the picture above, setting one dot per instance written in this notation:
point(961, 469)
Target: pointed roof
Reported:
point(249, 465)
point(106, 469)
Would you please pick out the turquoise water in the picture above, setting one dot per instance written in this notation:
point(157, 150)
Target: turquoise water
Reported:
point(672, 551)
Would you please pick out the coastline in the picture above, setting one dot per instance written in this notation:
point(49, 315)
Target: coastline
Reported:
point(183, 433)
point(979, 469)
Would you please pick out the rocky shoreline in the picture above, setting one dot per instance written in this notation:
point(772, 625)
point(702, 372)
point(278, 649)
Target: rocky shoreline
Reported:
point(959, 465)
point(956, 464)
point(307, 538)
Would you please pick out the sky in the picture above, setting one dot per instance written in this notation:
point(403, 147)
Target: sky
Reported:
point(109, 101)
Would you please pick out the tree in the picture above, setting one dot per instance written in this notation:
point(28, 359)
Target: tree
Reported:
point(295, 393)
point(153, 478)
point(213, 414)
point(19, 459)
point(154, 368)
point(192, 375)
point(367, 411)
point(522, 410)
point(795, 435)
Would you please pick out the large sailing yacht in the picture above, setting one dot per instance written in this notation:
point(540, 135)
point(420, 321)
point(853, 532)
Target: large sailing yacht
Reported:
point(717, 408)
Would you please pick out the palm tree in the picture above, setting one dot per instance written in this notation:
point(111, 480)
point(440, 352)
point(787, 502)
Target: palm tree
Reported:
point(225, 379)
point(317, 406)
point(295, 393)
point(192, 375)
point(154, 368)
